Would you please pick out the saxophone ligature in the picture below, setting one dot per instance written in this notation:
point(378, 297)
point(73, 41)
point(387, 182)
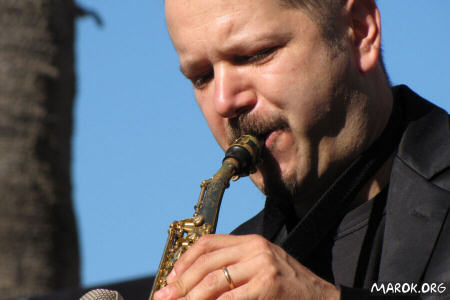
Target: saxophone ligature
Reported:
point(240, 160)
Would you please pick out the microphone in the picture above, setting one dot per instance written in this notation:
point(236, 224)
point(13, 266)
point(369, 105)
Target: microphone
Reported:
point(102, 294)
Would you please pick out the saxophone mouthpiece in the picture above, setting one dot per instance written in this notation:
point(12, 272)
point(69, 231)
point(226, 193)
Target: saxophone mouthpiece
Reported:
point(246, 150)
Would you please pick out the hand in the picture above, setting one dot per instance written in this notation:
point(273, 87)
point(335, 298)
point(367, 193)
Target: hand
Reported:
point(258, 269)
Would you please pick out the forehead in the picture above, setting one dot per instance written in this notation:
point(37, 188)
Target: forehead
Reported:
point(193, 22)
point(198, 10)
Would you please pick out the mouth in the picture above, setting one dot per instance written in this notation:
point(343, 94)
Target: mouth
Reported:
point(271, 138)
point(265, 130)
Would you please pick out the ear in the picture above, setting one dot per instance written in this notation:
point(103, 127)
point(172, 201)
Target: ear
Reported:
point(365, 30)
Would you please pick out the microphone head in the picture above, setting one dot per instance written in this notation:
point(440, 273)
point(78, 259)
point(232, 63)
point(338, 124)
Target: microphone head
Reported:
point(102, 294)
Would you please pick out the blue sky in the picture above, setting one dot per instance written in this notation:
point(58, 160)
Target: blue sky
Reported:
point(141, 146)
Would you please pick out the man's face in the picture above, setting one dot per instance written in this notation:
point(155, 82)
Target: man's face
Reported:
point(261, 68)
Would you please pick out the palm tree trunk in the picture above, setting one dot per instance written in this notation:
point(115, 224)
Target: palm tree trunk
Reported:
point(38, 240)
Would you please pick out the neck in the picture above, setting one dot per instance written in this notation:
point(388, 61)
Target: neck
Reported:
point(375, 185)
point(382, 100)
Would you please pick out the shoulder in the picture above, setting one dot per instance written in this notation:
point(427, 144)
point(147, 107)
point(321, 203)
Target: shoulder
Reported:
point(416, 241)
point(425, 145)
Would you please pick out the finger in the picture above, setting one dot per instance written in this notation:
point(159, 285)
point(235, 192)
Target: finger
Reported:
point(249, 290)
point(215, 283)
point(260, 286)
point(239, 293)
point(207, 243)
point(249, 246)
point(208, 263)
point(226, 256)
point(210, 287)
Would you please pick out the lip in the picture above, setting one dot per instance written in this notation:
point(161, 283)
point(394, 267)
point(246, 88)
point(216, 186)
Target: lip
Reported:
point(272, 138)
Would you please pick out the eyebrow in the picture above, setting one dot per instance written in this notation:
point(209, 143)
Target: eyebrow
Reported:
point(240, 45)
point(190, 66)
point(183, 71)
point(186, 69)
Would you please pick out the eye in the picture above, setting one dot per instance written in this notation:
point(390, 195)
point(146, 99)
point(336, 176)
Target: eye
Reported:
point(259, 56)
point(200, 81)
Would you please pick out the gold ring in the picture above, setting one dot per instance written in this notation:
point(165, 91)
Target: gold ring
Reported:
point(228, 277)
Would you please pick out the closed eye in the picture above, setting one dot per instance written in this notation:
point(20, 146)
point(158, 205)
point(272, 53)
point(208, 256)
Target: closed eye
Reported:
point(258, 57)
point(200, 81)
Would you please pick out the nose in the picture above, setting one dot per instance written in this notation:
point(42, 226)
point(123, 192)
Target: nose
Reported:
point(233, 93)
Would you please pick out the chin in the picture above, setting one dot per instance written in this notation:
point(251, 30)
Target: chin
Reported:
point(270, 180)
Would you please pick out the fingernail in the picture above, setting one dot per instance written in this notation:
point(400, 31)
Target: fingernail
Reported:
point(161, 294)
point(171, 275)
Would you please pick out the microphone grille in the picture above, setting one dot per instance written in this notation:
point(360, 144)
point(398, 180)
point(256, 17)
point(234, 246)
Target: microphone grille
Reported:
point(102, 294)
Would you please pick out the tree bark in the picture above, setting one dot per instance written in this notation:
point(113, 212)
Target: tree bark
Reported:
point(38, 239)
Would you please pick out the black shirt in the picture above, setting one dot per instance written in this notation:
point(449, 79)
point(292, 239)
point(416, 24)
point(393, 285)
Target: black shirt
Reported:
point(358, 241)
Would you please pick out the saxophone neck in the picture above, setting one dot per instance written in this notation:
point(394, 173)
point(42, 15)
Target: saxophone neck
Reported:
point(211, 197)
point(240, 160)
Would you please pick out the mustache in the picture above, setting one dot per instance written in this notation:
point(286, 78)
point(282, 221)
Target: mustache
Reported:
point(258, 126)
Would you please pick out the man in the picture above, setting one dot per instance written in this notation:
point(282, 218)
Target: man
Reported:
point(342, 152)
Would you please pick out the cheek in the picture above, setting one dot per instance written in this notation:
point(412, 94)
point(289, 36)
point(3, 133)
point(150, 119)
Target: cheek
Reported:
point(287, 84)
point(304, 99)
point(300, 102)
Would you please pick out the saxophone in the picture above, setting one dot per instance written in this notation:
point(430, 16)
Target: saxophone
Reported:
point(240, 160)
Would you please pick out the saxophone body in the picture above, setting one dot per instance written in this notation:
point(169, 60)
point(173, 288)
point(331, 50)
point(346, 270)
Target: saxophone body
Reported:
point(240, 160)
